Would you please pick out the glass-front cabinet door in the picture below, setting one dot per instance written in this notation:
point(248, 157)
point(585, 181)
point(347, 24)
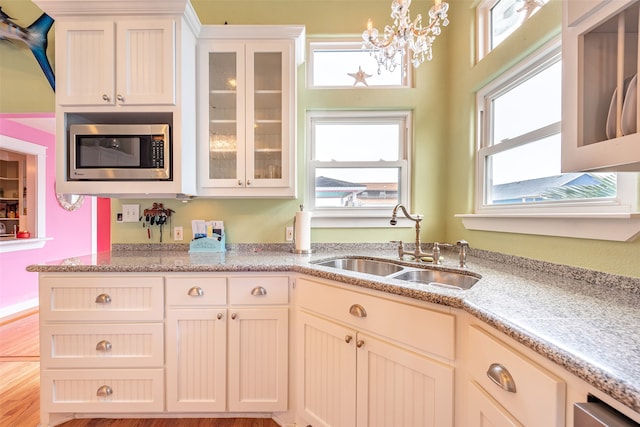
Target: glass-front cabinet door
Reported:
point(248, 105)
point(225, 110)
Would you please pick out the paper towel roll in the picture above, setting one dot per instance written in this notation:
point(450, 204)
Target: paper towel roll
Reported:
point(302, 231)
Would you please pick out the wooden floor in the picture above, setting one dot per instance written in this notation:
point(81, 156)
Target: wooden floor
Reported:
point(20, 387)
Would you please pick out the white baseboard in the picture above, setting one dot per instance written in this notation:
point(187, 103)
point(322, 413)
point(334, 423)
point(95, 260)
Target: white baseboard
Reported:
point(11, 311)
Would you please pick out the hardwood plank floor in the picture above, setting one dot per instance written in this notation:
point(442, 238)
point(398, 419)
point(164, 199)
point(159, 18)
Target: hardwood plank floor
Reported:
point(20, 387)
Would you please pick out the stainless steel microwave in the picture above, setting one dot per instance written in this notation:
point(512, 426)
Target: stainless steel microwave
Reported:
point(122, 152)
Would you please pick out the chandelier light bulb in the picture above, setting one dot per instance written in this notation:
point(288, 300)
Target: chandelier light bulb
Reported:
point(405, 35)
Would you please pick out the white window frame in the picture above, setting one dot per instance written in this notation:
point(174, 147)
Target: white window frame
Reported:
point(349, 44)
point(358, 217)
point(612, 219)
point(484, 29)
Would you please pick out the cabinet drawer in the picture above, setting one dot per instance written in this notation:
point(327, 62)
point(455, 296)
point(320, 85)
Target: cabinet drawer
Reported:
point(100, 298)
point(535, 388)
point(102, 345)
point(196, 291)
point(259, 290)
point(102, 390)
point(426, 330)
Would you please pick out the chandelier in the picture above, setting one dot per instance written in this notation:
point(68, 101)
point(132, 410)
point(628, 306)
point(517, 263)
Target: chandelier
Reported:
point(405, 34)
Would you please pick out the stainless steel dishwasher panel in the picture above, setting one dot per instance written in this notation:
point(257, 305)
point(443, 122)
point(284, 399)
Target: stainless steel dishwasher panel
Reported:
point(597, 414)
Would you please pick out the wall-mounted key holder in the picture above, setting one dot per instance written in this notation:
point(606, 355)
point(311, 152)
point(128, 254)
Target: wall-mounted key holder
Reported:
point(156, 215)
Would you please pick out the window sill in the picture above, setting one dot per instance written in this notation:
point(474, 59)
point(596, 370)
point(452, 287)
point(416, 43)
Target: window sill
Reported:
point(358, 222)
point(620, 227)
point(14, 245)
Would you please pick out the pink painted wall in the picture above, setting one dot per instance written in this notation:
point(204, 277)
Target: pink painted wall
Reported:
point(72, 232)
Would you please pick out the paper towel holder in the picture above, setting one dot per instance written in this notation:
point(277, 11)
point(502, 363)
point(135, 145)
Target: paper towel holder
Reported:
point(294, 250)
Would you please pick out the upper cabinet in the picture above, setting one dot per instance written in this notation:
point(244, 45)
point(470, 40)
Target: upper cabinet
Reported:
point(130, 62)
point(123, 62)
point(247, 110)
point(600, 97)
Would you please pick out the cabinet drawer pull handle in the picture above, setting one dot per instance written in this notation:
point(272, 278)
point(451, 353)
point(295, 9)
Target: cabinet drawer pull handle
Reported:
point(357, 310)
point(248, 183)
point(359, 343)
point(104, 391)
point(120, 98)
point(258, 291)
point(233, 316)
point(348, 338)
point(105, 97)
point(239, 183)
point(219, 316)
point(103, 345)
point(103, 299)
point(196, 291)
point(502, 377)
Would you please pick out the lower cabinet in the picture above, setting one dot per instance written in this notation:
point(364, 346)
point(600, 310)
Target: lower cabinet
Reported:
point(349, 376)
point(227, 350)
point(507, 389)
point(101, 340)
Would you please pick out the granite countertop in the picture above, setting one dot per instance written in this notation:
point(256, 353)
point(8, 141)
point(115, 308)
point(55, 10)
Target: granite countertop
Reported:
point(583, 320)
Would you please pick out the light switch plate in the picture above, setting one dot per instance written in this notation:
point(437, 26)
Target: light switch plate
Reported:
point(130, 213)
point(178, 233)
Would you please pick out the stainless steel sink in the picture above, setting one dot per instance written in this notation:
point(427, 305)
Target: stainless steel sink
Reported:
point(390, 270)
point(368, 266)
point(437, 277)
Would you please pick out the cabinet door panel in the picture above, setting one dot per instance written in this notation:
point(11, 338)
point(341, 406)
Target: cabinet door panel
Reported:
point(483, 411)
point(146, 62)
point(196, 355)
point(535, 387)
point(258, 359)
point(326, 373)
point(398, 387)
point(102, 390)
point(102, 345)
point(85, 65)
point(222, 108)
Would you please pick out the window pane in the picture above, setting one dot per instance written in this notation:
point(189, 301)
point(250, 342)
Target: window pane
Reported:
point(531, 105)
point(531, 173)
point(357, 142)
point(333, 68)
point(357, 187)
point(508, 15)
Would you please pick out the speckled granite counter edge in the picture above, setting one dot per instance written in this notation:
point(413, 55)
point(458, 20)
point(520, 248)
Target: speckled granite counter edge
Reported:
point(594, 375)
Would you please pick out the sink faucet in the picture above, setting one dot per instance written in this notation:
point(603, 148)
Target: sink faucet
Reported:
point(417, 253)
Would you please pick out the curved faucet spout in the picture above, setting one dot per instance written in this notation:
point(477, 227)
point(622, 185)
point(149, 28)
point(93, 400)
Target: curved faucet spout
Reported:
point(417, 218)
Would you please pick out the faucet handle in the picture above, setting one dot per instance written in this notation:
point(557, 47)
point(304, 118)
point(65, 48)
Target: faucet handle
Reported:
point(463, 245)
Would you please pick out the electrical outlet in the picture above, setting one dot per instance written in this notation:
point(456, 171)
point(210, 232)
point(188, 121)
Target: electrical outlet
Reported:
point(130, 213)
point(177, 233)
point(288, 234)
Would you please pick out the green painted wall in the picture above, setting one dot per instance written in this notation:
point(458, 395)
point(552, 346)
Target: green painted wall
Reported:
point(265, 220)
point(465, 78)
point(23, 87)
point(443, 103)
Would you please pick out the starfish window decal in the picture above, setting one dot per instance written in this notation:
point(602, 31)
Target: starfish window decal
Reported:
point(360, 77)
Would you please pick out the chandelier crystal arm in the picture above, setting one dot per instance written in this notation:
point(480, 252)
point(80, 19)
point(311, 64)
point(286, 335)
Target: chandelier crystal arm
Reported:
point(405, 35)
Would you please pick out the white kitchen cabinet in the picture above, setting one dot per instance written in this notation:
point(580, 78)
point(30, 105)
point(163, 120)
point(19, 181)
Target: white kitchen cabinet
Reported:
point(126, 62)
point(122, 62)
point(600, 111)
point(247, 111)
point(196, 343)
point(101, 344)
point(516, 391)
point(227, 350)
point(258, 366)
point(352, 371)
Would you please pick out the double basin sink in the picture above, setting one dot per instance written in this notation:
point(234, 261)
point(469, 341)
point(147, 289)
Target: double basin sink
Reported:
point(387, 269)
